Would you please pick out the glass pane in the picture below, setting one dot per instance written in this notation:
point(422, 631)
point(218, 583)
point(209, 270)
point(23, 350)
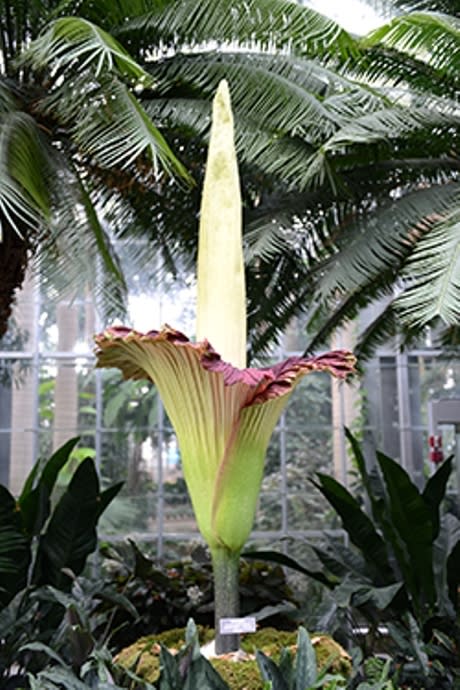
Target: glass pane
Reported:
point(309, 510)
point(130, 515)
point(269, 512)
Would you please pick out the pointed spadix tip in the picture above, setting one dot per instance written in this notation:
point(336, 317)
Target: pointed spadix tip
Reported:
point(221, 104)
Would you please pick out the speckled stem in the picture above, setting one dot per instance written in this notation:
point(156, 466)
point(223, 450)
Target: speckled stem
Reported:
point(225, 565)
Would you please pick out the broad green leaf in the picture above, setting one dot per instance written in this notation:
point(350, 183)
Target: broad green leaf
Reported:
point(357, 524)
point(71, 532)
point(411, 519)
point(287, 561)
point(107, 496)
point(34, 501)
point(170, 677)
point(435, 491)
point(15, 548)
point(270, 671)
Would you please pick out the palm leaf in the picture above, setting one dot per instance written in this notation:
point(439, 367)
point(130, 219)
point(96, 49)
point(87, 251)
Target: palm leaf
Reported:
point(108, 120)
point(435, 37)
point(384, 239)
point(122, 132)
point(397, 6)
point(71, 39)
point(390, 123)
point(77, 252)
point(281, 92)
point(266, 25)
point(24, 154)
point(14, 208)
point(383, 67)
point(24, 198)
point(432, 276)
point(326, 319)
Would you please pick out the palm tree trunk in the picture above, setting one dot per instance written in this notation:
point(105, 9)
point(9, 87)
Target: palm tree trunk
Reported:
point(14, 258)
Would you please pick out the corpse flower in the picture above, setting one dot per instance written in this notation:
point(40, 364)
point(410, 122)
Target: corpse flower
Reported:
point(223, 413)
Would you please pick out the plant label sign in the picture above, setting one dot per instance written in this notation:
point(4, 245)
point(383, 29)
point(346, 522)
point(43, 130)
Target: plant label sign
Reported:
point(230, 626)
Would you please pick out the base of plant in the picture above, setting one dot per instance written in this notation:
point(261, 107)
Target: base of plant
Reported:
point(238, 670)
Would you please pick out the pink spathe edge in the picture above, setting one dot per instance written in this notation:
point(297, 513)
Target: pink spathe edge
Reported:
point(267, 382)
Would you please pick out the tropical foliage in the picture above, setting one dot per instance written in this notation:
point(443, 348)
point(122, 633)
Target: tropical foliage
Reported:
point(401, 569)
point(46, 537)
point(41, 543)
point(62, 117)
point(348, 148)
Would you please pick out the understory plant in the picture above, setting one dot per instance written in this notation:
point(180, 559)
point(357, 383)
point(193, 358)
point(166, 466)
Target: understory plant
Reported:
point(301, 674)
point(223, 412)
point(46, 537)
point(400, 575)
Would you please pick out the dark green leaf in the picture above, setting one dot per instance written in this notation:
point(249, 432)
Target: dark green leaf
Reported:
point(276, 557)
point(170, 678)
point(270, 671)
point(34, 500)
point(143, 566)
point(435, 491)
point(354, 593)
point(107, 496)
point(203, 675)
point(453, 574)
point(71, 533)
point(446, 580)
point(15, 548)
point(305, 666)
point(356, 523)
point(411, 519)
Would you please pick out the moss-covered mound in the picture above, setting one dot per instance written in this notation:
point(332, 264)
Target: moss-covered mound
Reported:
point(143, 655)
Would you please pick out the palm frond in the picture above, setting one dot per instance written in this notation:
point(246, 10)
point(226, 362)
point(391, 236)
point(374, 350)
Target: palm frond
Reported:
point(272, 304)
point(326, 317)
point(432, 276)
point(19, 214)
point(384, 239)
point(77, 250)
point(433, 37)
point(120, 132)
point(383, 67)
point(392, 7)
point(71, 39)
point(256, 84)
point(265, 25)
point(8, 100)
point(382, 330)
point(24, 153)
point(24, 161)
point(395, 122)
point(280, 124)
point(283, 93)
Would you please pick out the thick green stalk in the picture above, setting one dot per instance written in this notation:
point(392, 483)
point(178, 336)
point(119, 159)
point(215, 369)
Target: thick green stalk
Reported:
point(225, 565)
